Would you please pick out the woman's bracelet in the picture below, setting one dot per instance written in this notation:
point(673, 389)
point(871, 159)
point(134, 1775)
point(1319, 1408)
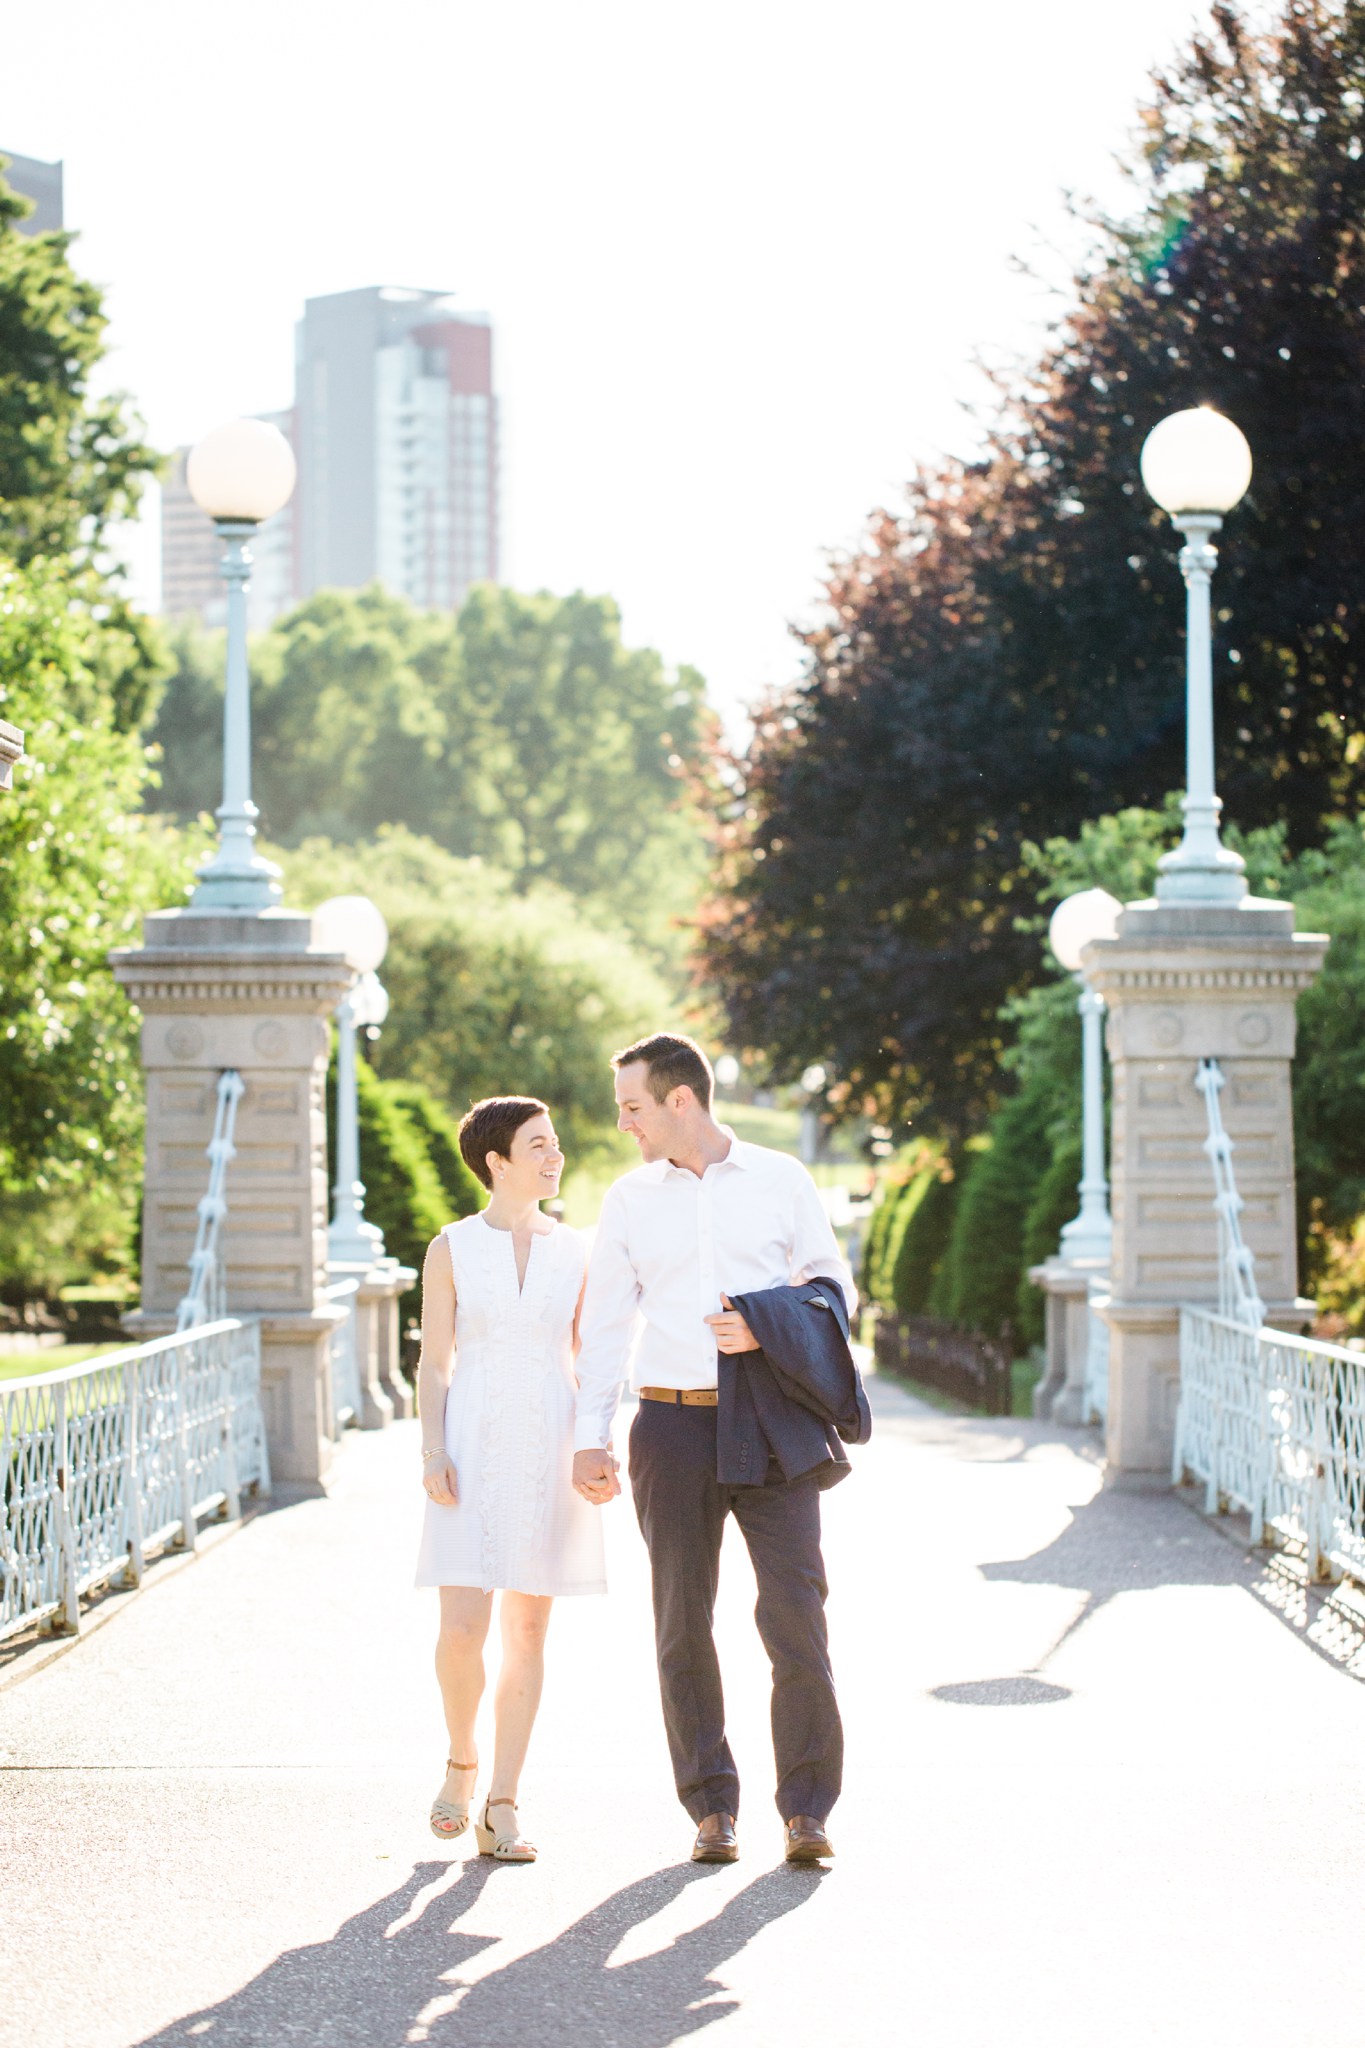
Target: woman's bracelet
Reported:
point(437, 1452)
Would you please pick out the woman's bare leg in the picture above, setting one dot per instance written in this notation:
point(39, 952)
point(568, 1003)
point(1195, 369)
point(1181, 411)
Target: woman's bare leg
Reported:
point(465, 1615)
point(525, 1618)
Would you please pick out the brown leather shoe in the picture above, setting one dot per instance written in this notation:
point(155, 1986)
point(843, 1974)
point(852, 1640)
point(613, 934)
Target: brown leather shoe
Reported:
point(716, 1841)
point(807, 1841)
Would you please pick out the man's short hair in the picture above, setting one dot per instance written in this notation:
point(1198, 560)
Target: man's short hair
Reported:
point(671, 1061)
point(491, 1125)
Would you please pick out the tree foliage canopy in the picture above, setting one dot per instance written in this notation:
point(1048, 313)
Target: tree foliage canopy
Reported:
point(492, 992)
point(70, 463)
point(524, 734)
point(1003, 658)
point(78, 867)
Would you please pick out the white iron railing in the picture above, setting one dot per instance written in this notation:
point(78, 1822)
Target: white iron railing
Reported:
point(1269, 1422)
point(1275, 1424)
point(104, 1462)
point(207, 1298)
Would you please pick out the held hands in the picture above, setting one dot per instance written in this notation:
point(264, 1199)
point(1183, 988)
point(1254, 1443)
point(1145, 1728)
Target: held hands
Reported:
point(730, 1330)
point(594, 1476)
point(438, 1480)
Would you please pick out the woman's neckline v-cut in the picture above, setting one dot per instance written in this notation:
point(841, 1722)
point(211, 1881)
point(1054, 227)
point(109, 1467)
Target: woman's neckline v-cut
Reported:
point(511, 1236)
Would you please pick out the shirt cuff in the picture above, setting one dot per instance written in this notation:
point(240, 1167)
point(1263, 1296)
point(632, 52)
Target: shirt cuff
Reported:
point(589, 1435)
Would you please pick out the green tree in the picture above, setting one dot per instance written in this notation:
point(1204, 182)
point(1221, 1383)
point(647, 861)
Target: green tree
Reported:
point(71, 463)
point(523, 734)
point(493, 992)
point(78, 868)
point(1002, 659)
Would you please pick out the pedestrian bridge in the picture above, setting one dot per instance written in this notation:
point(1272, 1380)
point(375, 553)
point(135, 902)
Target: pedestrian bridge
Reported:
point(1106, 1784)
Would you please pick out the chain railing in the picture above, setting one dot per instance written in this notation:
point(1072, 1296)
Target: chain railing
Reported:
point(1237, 1295)
point(102, 1463)
point(1271, 1423)
point(207, 1297)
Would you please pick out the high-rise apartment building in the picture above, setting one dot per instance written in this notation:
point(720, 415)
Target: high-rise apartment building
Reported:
point(395, 428)
point(40, 182)
point(397, 440)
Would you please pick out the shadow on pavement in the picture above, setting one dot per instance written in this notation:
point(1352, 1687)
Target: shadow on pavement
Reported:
point(391, 1975)
point(1134, 1542)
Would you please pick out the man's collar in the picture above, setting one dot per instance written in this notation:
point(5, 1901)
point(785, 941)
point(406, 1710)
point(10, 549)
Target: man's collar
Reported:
point(739, 1154)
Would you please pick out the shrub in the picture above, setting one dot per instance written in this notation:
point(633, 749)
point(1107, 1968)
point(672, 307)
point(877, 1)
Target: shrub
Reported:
point(441, 1135)
point(494, 993)
point(920, 1255)
point(874, 1250)
point(403, 1191)
point(1055, 1202)
point(978, 1283)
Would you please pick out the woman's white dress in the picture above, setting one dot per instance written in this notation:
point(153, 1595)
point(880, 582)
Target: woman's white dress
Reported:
point(509, 1423)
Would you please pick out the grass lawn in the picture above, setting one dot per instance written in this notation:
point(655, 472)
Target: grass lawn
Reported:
point(22, 1365)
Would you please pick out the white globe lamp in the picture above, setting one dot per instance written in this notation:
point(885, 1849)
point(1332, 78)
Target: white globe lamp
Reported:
point(1196, 461)
point(1089, 914)
point(353, 927)
point(242, 472)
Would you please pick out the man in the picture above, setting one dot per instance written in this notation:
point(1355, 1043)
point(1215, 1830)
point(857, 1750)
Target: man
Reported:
point(702, 1219)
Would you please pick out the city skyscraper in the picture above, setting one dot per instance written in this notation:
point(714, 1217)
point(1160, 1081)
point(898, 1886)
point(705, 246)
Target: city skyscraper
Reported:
point(395, 429)
point(42, 183)
point(397, 440)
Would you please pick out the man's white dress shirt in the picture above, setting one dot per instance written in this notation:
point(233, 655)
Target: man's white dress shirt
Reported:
point(668, 1245)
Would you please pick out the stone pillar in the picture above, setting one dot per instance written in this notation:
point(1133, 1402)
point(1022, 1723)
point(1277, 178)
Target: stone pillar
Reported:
point(1060, 1394)
point(1183, 982)
point(219, 990)
point(382, 1379)
point(384, 1393)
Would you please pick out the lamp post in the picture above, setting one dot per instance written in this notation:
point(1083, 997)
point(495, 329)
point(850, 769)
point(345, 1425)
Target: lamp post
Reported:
point(1197, 466)
point(240, 474)
point(1089, 914)
point(1080, 1263)
point(352, 925)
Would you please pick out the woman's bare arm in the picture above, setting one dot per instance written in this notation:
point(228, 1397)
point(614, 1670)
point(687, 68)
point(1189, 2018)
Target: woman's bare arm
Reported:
point(434, 1369)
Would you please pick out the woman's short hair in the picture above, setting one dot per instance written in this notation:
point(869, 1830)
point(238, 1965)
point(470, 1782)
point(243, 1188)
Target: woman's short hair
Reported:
point(491, 1125)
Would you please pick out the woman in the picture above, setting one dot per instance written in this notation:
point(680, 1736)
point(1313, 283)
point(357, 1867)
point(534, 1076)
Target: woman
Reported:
point(495, 1393)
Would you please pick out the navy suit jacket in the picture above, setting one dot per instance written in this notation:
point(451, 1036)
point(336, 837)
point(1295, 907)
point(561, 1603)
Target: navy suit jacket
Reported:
point(799, 1398)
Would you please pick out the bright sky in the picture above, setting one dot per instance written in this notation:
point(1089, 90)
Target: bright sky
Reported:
point(739, 255)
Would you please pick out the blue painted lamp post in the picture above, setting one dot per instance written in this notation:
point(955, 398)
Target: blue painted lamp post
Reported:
point(1197, 466)
point(1089, 914)
point(353, 926)
point(240, 474)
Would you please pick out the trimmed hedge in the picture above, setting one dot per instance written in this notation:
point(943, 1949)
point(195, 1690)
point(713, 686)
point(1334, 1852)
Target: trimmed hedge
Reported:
point(978, 1282)
point(441, 1135)
point(923, 1241)
point(404, 1192)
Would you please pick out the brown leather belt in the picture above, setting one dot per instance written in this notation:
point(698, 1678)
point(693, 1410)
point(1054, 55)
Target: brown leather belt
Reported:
point(687, 1397)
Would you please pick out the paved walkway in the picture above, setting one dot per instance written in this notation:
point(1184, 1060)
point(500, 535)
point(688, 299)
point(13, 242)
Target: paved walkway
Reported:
point(1100, 1793)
